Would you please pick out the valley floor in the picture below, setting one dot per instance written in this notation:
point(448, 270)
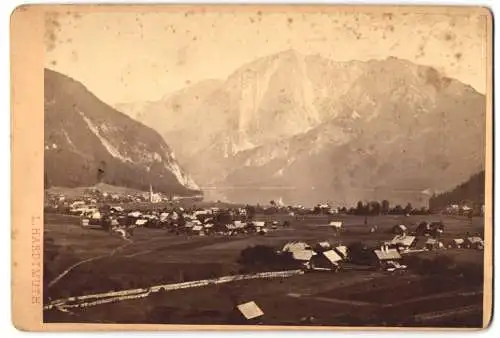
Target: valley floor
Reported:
point(81, 261)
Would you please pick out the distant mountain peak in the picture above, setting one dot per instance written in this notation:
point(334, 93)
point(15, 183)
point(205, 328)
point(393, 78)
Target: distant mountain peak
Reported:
point(350, 127)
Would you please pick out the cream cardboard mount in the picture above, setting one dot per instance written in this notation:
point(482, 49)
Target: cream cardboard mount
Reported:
point(237, 167)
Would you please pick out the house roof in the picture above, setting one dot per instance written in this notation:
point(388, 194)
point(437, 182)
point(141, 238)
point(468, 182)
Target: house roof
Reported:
point(296, 246)
point(335, 224)
point(342, 250)
point(403, 240)
point(250, 310)
point(238, 224)
point(332, 256)
point(458, 240)
point(141, 221)
point(324, 245)
point(259, 224)
point(387, 254)
point(302, 255)
point(475, 239)
point(431, 241)
point(402, 227)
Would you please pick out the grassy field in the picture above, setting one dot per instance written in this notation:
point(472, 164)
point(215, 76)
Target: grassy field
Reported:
point(448, 295)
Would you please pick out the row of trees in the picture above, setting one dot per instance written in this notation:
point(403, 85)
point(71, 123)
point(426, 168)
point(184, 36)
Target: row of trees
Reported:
point(383, 208)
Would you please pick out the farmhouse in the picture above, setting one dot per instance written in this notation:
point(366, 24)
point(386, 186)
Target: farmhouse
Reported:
point(322, 246)
point(327, 260)
point(387, 258)
point(141, 222)
point(342, 251)
point(300, 251)
point(402, 242)
point(336, 225)
point(399, 229)
point(456, 243)
point(250, 311)
point(198, 230)
point(474, 242)
point(433, 243)
point(296, 246)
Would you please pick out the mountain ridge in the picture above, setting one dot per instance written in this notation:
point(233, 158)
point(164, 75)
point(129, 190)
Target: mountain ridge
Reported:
point(406, 122)
point(87, 142)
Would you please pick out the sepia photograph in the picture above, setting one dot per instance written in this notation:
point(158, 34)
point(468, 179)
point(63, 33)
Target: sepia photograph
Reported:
point(265, 166)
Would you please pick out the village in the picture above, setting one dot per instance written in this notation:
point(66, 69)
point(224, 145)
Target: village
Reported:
point(269, 239)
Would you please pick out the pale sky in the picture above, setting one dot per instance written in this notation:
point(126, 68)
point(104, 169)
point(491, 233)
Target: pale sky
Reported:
point(131, 56)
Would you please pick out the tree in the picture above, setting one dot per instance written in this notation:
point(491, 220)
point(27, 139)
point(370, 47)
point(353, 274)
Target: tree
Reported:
point(375, 208)
point(250, 212)
point(360, 208)
point(272, 202)
point(384, 208)
point(358, 253)
point(398, 210)
point(264, 256)
point(408, 208)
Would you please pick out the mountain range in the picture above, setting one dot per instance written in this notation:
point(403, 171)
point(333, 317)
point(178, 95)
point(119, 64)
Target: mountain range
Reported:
point(88, 142)
point(305, 128)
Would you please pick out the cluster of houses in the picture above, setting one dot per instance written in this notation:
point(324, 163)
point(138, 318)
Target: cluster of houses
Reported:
point(464, 209)
point(196, 222)
point(387, 256)
point(324, 256)
point(427, 236)
point(91, 197)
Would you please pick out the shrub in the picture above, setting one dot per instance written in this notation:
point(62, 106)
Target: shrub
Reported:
point(265, 257)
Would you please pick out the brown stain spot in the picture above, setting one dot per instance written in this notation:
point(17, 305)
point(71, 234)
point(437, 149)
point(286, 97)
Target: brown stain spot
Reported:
point(387, 16)
point(290, 21)
point(448, 36)
point(74, 56)
point(53, 62)
point(195, 38)
point(188, 82)
point(458, 56)
point(259, 13)
point(252, 20)
point(52, 27)
point(390, 28)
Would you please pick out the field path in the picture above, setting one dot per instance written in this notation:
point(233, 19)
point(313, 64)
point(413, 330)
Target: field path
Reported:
point(448, 313)
point(68, 270)
point(333, 300)
point(436, 297)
